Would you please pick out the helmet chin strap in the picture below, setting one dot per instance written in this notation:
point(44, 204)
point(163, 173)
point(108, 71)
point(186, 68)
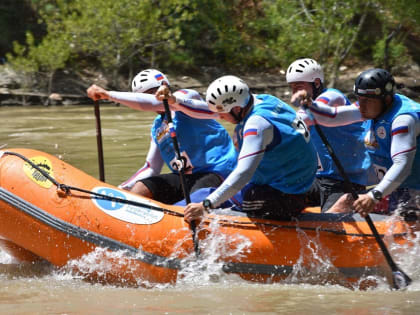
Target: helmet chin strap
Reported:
point(238, 117)
point(316, 91)
point(385, 105)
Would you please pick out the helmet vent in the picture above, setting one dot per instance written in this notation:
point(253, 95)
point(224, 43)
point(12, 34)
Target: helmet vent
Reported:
point(211, 102)
point(143, 80)
point(226, 88)
point(214, 96)
point(303, 66)
point(218, 90)
point(306, 61)
point(240, 91)
point(298, 70)
point(234, 88)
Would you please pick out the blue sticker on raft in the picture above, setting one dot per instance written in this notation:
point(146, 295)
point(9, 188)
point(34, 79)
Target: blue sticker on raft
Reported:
point(137, 214)
point(107, 204)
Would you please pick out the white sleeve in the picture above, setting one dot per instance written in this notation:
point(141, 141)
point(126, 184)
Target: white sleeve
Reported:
point(405, 130)
point(332, 98)
point(335, 116)
point(190, 103)
point(257, 134)
point(194, 108)
point(153, 166)
point(138, 101)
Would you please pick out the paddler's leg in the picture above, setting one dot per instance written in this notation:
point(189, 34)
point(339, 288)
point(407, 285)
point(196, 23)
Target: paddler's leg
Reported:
point(332, 190)
point(165, 188)
point(205, 180)
point(267, 202)
point(342, 205)
point(141, 189)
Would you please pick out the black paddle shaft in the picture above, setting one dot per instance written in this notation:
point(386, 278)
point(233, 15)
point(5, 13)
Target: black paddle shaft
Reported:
point(181, 170)
point(99, 142)
point(400, 279)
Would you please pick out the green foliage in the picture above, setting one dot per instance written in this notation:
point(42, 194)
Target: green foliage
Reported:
point(51, 54)
point(125, 36)
point(397, 55)
point(323, 30)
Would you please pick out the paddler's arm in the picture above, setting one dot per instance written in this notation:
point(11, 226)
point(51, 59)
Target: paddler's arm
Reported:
point(258, 133)
point(137, 101)
point(187, 101)
point(330, 98)
point(327, 115)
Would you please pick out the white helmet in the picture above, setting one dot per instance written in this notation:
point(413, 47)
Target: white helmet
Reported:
point(227, 92)
point(304, 70)
point(148, 79)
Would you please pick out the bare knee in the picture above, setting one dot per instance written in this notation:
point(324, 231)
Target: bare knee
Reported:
point(140, 189)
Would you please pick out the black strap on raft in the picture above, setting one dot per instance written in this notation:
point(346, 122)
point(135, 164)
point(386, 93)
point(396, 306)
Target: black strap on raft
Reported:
point(67, 189)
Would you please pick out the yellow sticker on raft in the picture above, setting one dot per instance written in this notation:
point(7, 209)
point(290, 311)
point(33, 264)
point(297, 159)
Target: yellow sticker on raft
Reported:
point(44, 164)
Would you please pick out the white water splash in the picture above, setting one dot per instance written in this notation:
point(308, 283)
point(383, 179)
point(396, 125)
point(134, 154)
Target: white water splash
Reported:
point(215, 249)
point(314, 264)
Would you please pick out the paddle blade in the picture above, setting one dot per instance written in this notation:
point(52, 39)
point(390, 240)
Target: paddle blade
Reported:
point(400, 280)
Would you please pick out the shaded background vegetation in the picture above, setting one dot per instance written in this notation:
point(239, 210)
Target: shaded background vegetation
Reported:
point(119, 38)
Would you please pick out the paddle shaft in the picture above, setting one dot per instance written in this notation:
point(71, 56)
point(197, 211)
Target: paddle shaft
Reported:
point(99, 141)
point(181, 170)
point(397, 272)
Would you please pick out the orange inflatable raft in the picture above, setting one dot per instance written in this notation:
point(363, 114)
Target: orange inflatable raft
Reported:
point(53, 211)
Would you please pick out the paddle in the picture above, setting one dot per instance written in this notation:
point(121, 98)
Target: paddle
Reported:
point(399, 278)
point(180, 166)
point(99, 141)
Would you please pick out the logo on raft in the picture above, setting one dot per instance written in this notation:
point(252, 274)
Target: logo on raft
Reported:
point(43, 163)
point(125, 212)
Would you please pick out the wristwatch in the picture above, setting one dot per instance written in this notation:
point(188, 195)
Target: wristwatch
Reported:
point(206, 204)
point(376, 194)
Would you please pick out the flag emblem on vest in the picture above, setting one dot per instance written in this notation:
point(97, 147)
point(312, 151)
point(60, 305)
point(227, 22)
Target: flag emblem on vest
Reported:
point(381, 132)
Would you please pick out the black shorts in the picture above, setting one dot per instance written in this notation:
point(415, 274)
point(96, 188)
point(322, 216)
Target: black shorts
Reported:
point(326, 191)
point(266, 202)
point(167, 188)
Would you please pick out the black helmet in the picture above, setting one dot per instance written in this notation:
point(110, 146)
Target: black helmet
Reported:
point(377, 83)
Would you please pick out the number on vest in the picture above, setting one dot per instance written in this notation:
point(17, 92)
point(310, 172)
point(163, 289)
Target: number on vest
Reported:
point(300, 126)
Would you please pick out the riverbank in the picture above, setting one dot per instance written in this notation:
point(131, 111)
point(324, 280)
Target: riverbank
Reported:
point(70, 88)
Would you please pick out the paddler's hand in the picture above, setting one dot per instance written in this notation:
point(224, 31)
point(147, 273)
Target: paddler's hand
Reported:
point(301, 98)
point(164, 92)
point(194, 211)
point(364, 204)
point(97, 93)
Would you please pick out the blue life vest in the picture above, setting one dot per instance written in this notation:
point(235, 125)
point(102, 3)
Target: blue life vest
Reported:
point(348, 144)
point(205, 144)
point(378, 140)
point(289, 163)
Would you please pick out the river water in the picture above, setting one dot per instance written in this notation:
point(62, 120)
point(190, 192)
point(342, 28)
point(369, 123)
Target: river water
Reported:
point(69, 133)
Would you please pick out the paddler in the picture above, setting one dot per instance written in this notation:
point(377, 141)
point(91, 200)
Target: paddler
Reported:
point(277, 162)
point(392, 139)
point(206, 147)
point(305, 75)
